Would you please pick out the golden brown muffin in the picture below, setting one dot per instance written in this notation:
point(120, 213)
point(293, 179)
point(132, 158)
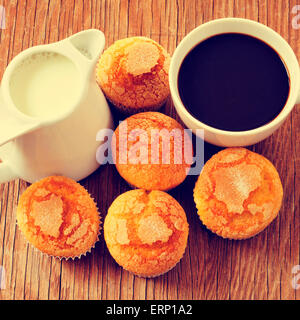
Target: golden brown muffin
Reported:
point(133, 74)
point(238, 193)
point(146, 232)
point(151, 151)
point(58, 217)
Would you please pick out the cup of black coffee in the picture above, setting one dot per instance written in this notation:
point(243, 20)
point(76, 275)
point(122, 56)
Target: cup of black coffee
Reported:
point(236, 79)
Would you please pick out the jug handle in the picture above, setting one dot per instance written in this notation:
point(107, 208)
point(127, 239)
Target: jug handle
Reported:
point(14, 125)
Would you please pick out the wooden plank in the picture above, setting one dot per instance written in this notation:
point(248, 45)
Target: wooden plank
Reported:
point(293, 252)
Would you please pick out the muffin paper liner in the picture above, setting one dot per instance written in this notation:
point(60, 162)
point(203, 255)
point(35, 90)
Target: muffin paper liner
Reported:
point(130, 111)
point(72, 257)
point(155, 275)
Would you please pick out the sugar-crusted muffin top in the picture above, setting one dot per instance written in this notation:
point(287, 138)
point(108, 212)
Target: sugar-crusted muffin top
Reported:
point(164, 156)
point(133, 73)
point(238, 193)
point(146, 232)
point(58, 216)
point(141, 57)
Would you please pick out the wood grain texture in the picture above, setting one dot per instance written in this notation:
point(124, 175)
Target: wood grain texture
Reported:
point(212, 268)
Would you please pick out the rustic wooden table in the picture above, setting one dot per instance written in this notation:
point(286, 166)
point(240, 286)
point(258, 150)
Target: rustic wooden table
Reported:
point(212, 268)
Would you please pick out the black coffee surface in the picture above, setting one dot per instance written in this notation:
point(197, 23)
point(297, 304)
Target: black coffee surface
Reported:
point(233, 82)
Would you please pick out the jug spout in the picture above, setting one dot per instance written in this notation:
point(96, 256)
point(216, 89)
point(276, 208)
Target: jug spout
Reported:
point(84, 48)
point(90, 43)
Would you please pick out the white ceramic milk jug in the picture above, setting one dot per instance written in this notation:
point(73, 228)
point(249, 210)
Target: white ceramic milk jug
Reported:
point(51, 109)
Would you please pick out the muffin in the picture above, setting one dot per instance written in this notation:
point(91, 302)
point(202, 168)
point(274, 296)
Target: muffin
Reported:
point(58, 217)
point(133, 74)
point(238, 193)
point(146, 232)
point(151, 151)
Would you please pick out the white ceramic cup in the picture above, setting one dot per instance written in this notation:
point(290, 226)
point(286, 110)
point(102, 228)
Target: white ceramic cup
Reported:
point(244, 26)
